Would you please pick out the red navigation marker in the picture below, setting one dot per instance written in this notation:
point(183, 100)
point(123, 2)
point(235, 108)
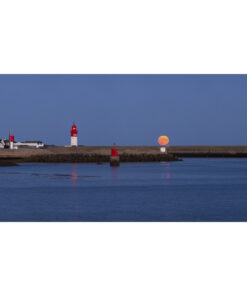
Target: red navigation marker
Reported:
point(114, 151)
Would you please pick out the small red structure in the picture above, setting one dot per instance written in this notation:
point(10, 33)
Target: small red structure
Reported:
point(114, 158)
point(114, 151)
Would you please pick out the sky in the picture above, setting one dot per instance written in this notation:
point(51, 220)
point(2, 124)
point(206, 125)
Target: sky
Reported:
point(126, 109)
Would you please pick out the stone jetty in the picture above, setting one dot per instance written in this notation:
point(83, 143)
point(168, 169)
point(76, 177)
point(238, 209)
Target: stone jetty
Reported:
point(100, 154)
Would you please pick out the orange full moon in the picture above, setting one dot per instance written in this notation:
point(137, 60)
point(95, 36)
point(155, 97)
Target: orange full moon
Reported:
point(163, 140)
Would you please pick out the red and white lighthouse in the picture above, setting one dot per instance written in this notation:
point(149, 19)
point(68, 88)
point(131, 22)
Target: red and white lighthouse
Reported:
point(11, 140)
point(74, 136)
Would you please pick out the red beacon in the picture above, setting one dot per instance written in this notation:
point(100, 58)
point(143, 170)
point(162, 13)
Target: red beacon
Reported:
point(114, 159)
point(74, 136)
point(114, 151)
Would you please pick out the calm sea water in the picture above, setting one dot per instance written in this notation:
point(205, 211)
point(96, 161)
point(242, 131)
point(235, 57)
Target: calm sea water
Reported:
point(191, 190)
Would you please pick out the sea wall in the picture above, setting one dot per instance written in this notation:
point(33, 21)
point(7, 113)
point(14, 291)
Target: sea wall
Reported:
point(85, 154)
point(100, 154)
point(208, 151)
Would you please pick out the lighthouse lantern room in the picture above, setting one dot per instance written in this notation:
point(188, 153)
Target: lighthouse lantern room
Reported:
point(74, 136)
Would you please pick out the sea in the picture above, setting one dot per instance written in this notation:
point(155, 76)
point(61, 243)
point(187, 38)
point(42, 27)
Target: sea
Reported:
point(192, 190)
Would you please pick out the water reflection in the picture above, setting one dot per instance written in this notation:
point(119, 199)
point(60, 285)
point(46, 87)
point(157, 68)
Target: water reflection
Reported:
point(74, 175)
point(166, 171)
point(168, 176)
point(114, 172)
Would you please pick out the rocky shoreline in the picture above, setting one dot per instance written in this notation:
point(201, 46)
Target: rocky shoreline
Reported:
point(98, 158)
point(4, 163)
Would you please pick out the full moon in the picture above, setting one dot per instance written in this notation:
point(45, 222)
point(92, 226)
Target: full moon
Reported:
point(163, 140)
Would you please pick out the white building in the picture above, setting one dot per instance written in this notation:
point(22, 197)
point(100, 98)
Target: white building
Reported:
point(26, 144)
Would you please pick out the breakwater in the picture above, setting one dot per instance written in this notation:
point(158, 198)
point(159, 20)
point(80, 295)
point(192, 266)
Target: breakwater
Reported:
point(100, 154)
point(98, 158)
point(208, 151)
point(85, 154)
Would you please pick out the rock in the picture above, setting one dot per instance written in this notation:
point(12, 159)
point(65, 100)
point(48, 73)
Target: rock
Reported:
point(4, 163)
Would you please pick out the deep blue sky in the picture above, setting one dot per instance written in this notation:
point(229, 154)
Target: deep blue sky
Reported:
point(128, 109)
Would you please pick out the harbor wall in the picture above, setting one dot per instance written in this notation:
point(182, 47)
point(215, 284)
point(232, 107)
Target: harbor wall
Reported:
point(127, 153)
point(208, 151)
point(85, 154)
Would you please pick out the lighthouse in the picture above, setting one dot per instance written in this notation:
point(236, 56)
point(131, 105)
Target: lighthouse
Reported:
point(11, 140)
point(74, 136)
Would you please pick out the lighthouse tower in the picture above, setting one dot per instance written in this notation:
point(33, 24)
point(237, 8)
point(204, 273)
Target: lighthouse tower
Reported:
point(74, 137)
point(11, 140)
